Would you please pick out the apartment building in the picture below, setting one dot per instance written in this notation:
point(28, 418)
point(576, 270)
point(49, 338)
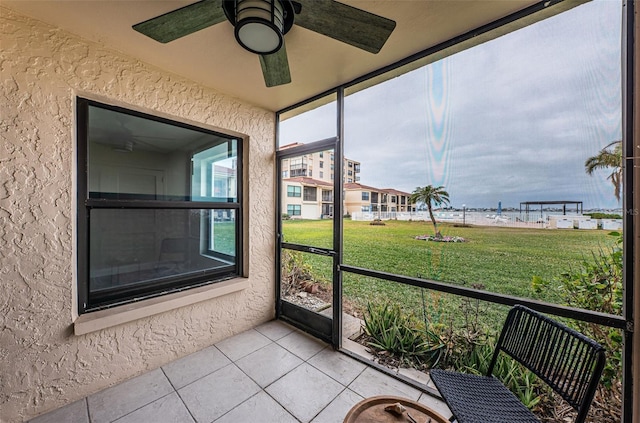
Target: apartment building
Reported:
point(308, 183)
point(308, 188)
point(307, 198)
point(363, 198)
point(319, 166)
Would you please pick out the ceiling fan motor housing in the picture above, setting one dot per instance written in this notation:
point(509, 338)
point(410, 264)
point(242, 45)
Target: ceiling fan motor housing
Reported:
point(260, 24)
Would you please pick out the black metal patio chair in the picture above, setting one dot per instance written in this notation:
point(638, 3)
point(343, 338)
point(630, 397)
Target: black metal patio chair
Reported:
point(566, 360)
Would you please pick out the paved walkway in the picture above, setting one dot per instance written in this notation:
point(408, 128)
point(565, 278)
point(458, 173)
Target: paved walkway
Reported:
point(272, 373)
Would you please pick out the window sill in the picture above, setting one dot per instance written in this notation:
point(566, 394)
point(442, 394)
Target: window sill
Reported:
point(92, 322)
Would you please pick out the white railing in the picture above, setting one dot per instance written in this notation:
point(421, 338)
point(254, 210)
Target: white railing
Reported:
point(507, 219)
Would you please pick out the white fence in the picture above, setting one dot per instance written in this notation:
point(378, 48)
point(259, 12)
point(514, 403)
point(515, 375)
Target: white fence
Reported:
point(507, 219)
point(468, 218)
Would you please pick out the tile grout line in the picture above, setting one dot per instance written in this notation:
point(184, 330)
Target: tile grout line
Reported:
point(203, 376)
point(231, 359)
point(264, 389)
point(354, 379)
point(277, 379)
point(178, 393)
point(278, 402)
point(221, 416)
point(168, 378)
point(323, 372)
point(304, 360)
point(329, 403)
point(142, 406)
point(274, 340)
point(86, 404)
point(345, 387)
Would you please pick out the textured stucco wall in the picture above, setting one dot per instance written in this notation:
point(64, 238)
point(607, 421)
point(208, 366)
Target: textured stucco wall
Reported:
point(42, 364)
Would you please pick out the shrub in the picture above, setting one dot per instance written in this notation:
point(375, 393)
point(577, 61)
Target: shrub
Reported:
point(390, 331)
point(441, 238)
point(596, 285)
point(294, 272)
point(603, 216)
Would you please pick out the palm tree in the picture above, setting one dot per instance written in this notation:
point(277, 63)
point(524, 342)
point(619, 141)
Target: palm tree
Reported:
point(609, 157)
point(429, 195)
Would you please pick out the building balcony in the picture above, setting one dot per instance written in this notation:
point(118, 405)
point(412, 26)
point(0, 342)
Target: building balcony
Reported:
point(299, 172)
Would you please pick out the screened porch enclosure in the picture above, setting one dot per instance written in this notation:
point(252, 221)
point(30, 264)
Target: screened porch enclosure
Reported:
point(183, 242)
point(492, 126)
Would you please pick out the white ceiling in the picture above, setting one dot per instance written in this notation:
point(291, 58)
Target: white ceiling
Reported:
point(213, 58)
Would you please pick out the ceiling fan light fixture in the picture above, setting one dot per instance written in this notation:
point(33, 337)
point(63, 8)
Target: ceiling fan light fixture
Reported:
point(260, 25)
point(125, 147)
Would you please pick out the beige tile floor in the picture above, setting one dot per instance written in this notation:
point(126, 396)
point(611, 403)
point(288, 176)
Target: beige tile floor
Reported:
point(273, 373)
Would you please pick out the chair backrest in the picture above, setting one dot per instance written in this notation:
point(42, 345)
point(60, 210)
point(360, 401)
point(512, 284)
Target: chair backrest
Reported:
point(569, 362)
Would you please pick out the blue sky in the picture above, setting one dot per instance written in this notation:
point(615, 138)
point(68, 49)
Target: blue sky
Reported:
point(510, 120)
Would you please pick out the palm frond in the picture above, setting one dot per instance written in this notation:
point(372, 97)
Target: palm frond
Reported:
point(610, 157)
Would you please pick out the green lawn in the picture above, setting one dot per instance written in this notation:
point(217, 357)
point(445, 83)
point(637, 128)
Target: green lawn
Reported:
point(502, 260)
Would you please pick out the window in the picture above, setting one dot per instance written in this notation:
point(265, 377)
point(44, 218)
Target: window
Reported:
point(293, 191)
point(321, 154)
point(321, 164)
point(365, 195)
point(285, 174)
point(310, 193)
point(374, 197)
point(159, 206)
point(327, 195)
point(321, 174)
point(351, 173)
point(350, 164)
point(293, 209)
point(350, 180)
point(365, 209)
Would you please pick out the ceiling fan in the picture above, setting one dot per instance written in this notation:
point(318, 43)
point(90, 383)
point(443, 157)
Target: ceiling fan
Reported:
point(260, 26)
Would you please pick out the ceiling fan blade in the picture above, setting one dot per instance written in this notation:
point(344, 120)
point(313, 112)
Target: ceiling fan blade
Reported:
point(345, 23)
point(183, 21)
point(275, 68)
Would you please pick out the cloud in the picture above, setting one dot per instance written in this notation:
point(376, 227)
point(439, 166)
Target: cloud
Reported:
point(511, 120)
